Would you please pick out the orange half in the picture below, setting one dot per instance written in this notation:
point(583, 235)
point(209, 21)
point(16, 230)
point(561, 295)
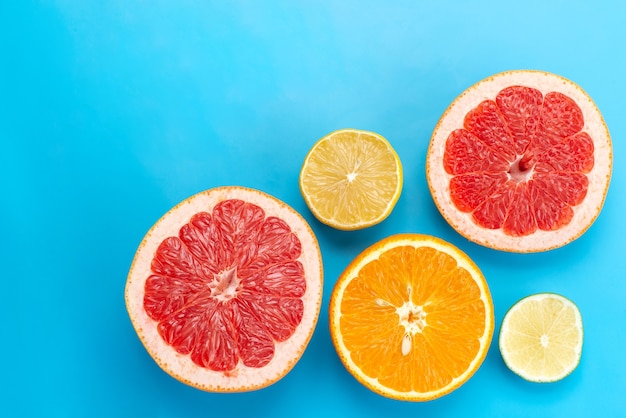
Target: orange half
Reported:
point(412, 317)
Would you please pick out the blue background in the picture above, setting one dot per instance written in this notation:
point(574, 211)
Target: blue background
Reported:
point(113, 111)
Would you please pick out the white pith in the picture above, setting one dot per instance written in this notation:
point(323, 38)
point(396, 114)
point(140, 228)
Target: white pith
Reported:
point(599, 177)
point(180, 366)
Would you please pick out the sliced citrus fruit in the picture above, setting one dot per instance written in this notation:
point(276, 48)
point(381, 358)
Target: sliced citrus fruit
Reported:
point(520, 162)
point(541, 337)
point(411, 317)
point(351, 179)
point(225, 289)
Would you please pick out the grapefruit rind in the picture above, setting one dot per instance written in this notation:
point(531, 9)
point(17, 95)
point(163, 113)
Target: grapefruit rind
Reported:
point(372, 253)
point(364, 223)
point(180, 366)
point(599, 178)
point(504, 328)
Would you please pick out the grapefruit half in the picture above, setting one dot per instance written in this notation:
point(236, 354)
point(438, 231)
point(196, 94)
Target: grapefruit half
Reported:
point(520, 162)
point(225, 289)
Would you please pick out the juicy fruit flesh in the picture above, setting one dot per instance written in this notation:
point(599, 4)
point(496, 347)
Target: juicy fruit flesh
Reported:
point(413, 319)
point(228, 287)
point(542, 340)
point(520, 161)
point(352, 177)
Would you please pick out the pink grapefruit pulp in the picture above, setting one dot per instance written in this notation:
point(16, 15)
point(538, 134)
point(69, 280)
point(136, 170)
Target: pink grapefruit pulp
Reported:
point(225, 289)
point(521, 161)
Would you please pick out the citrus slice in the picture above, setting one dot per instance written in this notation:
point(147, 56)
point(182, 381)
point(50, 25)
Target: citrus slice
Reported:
point(411, 317)
point(520, 162)
point(541, 337)
point(225, 289)
point(351, 179)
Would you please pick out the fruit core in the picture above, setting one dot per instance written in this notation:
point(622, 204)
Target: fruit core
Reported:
point(520, 170)
point(225, 284)
point(410, 316)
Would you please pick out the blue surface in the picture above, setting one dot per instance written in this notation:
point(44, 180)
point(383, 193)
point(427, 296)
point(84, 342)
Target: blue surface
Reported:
point(113, 111)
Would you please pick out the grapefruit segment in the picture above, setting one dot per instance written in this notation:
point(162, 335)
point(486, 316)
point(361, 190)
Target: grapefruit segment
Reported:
point(521, 110)
point(468, 191)
point(576, 155)
point(560, 118)
point(520, 222)
point(487, 125)
point(492, 212)
point(465, 153)
point(225, 289)
point(551, 213)
point(520, 162)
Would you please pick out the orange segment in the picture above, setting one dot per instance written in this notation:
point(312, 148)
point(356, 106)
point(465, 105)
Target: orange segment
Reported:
point(411, 317)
